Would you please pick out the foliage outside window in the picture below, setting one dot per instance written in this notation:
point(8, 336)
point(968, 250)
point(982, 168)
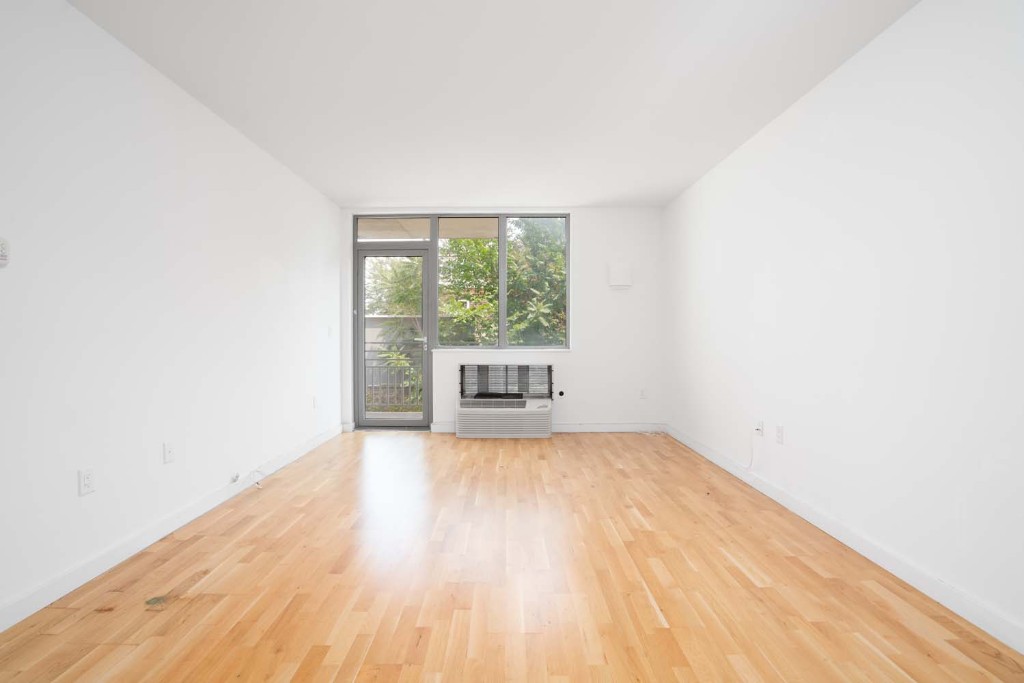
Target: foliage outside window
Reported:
point(467, 281)
point(536, 311)
point(394, 288)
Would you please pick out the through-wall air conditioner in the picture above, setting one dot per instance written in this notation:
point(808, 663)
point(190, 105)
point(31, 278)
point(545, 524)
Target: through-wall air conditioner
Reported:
point(504, 402)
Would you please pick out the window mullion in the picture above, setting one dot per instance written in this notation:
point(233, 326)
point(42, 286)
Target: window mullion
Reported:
point(502, 280)
point(433, 287)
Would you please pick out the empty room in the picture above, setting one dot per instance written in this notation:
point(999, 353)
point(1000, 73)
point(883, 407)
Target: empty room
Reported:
point(474, 340)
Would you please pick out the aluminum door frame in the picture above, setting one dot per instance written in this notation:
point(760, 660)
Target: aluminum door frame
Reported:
point(416, 249)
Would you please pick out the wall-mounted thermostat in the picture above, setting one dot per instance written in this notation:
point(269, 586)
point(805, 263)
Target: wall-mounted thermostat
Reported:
point(4, 251)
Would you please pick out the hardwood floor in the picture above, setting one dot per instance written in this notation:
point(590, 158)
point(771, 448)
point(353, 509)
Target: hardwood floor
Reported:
point(408, 556)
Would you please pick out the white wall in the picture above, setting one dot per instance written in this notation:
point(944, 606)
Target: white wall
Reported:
point(614, 334)
point(168, 281)
point(854, 273)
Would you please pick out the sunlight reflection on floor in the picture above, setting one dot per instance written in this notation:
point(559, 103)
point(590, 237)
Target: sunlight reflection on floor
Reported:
point(394, 494)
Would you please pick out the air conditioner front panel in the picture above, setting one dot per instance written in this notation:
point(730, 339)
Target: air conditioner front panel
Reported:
point(503, 418)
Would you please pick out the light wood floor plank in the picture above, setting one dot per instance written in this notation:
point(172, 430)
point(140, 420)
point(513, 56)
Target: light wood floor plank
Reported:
point(419, 557)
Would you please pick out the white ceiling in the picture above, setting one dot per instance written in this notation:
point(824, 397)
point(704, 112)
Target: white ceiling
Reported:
point(396, 103)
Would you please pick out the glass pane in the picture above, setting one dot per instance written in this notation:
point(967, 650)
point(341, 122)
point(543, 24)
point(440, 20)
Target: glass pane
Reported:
point(467, 281)
point(389, 229)
point(536, 281)
point(393, 332)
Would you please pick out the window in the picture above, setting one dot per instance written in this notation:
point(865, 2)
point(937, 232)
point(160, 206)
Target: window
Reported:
point(536, 312)
point(467, 281)
point(501, 281)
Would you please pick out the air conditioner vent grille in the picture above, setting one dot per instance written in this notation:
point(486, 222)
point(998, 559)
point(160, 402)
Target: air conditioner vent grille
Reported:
point(492, 403)
point(532, 381)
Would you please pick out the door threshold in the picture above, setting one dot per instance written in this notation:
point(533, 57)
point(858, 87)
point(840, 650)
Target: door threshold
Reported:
point(397, 428)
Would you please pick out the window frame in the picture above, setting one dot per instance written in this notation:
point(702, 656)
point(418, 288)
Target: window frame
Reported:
point(433, 283)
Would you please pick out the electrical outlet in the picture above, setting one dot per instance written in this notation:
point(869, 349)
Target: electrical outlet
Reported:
point(778, 434)
point(169, 453)
point(86, 482)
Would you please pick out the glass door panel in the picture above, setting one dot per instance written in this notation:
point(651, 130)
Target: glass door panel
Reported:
point(394, 371)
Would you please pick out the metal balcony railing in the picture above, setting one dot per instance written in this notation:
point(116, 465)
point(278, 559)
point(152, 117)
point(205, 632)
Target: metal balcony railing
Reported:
point(394, 377)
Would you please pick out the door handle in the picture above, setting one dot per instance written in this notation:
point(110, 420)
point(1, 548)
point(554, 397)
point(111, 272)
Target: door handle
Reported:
point(422, 339)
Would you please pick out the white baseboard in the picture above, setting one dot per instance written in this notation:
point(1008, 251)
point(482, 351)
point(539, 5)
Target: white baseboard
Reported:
point(449, 427)
point(348, 426)
point(607, 427)
point(19, 607)
point(985, 616)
